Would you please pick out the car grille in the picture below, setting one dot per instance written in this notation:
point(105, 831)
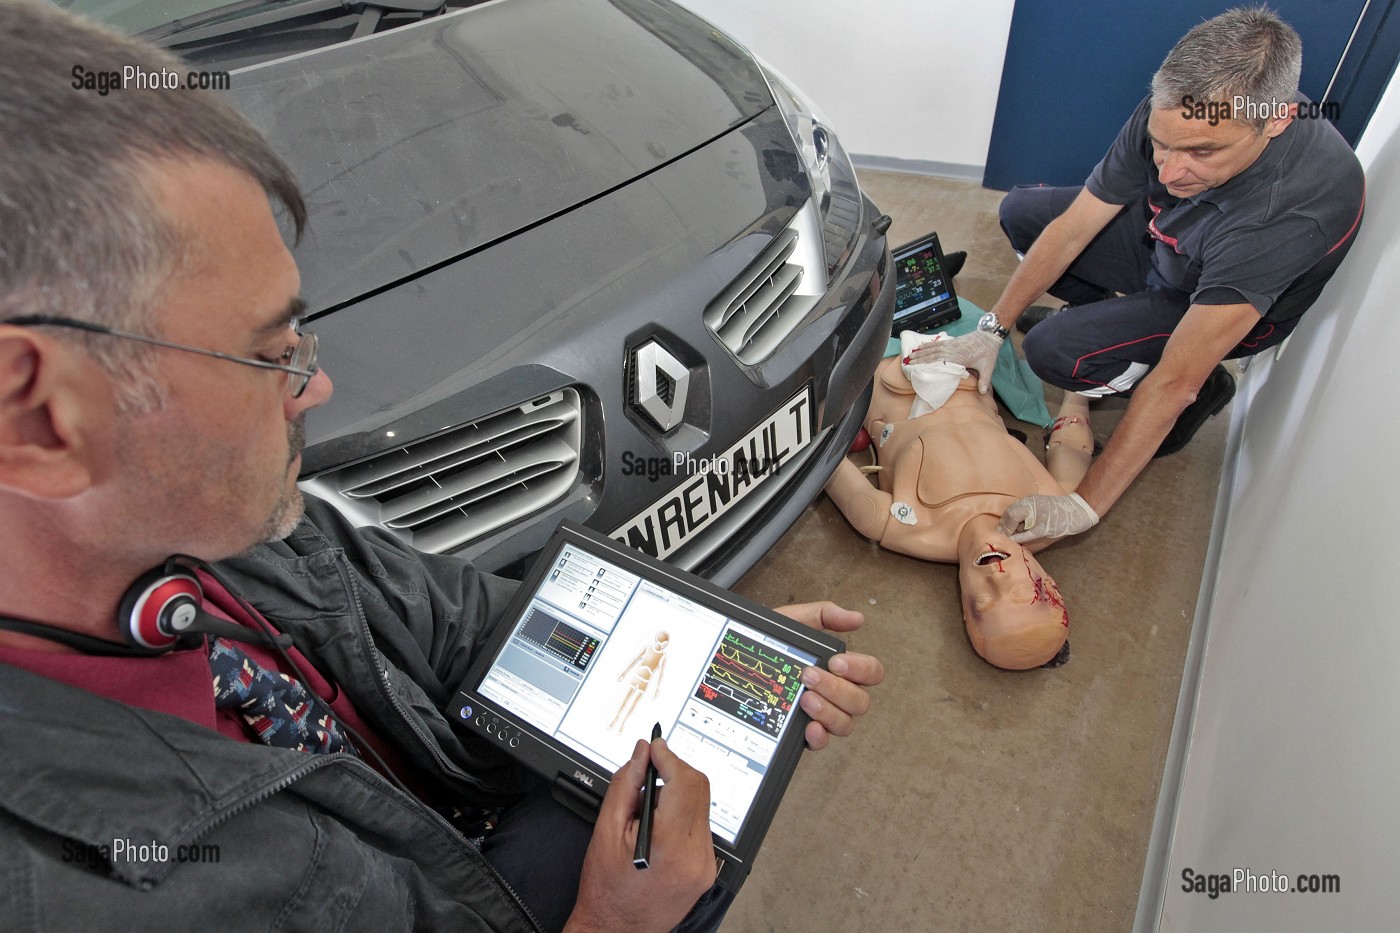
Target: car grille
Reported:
point(455, 486)
point(772, 296)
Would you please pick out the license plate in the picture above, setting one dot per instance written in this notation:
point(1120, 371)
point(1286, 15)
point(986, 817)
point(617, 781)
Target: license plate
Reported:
point(714, 485)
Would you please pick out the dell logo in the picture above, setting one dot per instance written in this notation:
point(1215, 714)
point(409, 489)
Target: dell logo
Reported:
point(583, 778)
point(660, 385)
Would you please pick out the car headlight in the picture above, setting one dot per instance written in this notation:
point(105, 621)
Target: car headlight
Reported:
point(835, 191)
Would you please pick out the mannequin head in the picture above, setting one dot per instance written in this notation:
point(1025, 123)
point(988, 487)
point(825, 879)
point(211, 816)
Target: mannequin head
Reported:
point(1013, 612)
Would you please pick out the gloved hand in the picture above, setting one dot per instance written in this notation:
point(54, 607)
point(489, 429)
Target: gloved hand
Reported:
point(976, 350)
point(1049, 517)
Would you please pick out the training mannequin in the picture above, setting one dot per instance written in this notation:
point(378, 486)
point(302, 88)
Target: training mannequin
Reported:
point(945, 478)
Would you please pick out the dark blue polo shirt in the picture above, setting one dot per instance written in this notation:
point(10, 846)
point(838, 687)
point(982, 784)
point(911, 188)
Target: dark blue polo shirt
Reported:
point(1271, 236)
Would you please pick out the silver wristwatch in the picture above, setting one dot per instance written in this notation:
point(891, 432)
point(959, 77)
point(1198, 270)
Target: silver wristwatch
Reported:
point(991, 325)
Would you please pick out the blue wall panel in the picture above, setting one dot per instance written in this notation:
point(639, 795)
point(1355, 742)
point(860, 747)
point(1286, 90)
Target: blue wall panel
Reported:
point(1074, 73)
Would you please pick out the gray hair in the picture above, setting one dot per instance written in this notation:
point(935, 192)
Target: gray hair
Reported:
point(80, 233)
point(1247, 52)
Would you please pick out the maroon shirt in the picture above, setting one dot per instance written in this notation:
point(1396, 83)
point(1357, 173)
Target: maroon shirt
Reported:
point(179, 683)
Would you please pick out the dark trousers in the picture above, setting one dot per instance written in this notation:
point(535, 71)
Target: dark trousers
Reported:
point(538, 848)
point(1105, 344)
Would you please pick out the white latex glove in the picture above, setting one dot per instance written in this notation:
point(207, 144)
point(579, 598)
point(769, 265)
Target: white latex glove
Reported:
point(1047, 517)
point(934, 381)
point(976, 350)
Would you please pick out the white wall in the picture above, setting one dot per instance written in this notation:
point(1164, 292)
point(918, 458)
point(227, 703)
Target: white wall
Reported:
point(1293, 758)
point(901, 80)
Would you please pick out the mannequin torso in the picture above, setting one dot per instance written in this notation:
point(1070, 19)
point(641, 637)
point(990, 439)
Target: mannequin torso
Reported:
point(948, 465)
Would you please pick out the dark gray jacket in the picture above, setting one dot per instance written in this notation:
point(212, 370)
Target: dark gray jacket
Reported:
point(303, 842)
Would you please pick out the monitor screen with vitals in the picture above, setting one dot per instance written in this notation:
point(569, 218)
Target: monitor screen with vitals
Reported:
point(924, 297)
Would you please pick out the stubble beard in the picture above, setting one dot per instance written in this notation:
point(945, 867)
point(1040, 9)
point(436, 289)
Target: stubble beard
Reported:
point(287, 510)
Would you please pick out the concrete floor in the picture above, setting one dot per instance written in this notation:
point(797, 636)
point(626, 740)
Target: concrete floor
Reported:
point(973, 798)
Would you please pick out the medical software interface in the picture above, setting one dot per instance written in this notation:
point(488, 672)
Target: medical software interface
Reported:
point(600, 654)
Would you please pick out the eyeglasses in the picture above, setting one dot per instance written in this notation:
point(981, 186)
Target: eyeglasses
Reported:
point(298, 360)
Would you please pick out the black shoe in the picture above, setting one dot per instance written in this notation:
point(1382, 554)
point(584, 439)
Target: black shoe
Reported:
point(1215, 394)
point(1034, 315)
point(953, 262)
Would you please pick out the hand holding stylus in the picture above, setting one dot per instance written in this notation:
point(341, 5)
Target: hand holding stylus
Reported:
point(613, 895)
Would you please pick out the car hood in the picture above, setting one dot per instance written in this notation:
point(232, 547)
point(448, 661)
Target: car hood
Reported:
point(427, 142)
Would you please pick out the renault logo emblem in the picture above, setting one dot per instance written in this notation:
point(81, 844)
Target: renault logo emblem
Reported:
point(661, 385)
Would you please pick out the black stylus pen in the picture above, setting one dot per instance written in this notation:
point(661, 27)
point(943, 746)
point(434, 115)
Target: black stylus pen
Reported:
point(641, 855)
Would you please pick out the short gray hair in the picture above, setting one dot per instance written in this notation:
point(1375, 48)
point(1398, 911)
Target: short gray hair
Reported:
point(1246, 52)
point(80, 233)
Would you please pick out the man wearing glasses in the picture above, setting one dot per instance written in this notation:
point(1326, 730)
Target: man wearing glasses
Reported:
point(153, 388)
point(297, 359)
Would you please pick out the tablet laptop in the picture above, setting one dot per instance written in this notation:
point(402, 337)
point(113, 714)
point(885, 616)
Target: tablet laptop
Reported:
point(923, 295)
point(602, 642)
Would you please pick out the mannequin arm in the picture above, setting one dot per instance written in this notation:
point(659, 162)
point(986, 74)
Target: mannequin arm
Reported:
point(865, 507)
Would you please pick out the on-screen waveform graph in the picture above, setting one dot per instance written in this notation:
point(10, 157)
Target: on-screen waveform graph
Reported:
point(753, 683)
point(559, 638)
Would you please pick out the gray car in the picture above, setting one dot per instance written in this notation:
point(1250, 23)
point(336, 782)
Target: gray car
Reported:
point(567, 259)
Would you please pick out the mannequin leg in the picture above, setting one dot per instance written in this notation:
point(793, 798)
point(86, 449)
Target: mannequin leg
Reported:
point(631, 702)
point(624, 709)
point(865, 507)
point(1071, 445)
